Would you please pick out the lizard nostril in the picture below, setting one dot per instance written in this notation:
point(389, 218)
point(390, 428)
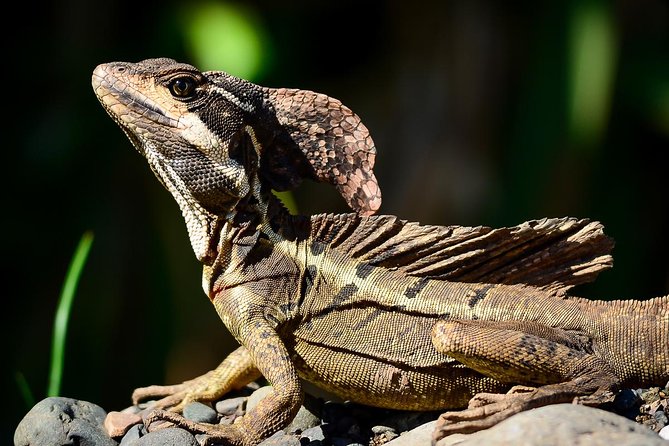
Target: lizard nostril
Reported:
point(120, 69)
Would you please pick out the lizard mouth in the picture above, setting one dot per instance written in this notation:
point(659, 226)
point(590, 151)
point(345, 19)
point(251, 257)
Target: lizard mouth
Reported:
point(125, 105)
point(124, 102)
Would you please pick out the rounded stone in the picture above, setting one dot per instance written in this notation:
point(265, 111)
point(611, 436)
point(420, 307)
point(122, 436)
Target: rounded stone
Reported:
point(173, 436)
point(55, 421)
point(200, 413)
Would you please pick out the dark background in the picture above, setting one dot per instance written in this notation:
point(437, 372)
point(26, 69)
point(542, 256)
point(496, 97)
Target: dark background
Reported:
point(483, 112)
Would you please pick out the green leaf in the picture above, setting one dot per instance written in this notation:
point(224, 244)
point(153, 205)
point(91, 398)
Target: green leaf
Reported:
point(63, 313)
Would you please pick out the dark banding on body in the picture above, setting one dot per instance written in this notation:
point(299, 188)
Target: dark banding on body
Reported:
point(363, 270)
point(416, 287)
point(478, 295)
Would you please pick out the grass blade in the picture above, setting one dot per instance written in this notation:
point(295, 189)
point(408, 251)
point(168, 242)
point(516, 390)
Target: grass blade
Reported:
point(63, 312)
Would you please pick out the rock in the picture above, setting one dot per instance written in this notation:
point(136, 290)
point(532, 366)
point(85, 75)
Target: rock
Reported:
point(560, 424)
point(664, 432)
point(118, 423)
point(55, 421)
point(200, 413)
point(303, 421)
point(132, 409)
point(281, 439)
point(383, 434)
point(406, 421)
point(256, 396)
point(133, 433)
point(422, 435)
point(308, 416)
point(382, 429)
point(173, 436)
point(313, 434)
point(231, 406)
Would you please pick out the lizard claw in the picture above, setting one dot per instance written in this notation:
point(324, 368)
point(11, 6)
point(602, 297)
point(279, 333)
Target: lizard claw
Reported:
point(174, 397)
point(215, 433)
point(473, 419)
point(484, 399)
point(487, 409)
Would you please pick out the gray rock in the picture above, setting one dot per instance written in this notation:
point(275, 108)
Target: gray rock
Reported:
point(256, 396)
point(303, 421)
point(172, 436)
point(406, 421)
point(422, 435)
point(200, 413)
point(383, 434)
point(314, 434)
point(231, 406)
point(382, 429)
point(661, 417)
point(560, 424)
point(133, 434)
point(308, 416)
point(281, 439)
point(55, 421)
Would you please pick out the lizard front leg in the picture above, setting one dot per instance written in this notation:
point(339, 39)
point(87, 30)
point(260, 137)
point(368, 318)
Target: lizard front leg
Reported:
point(264, 348)
point(236, 371)
point(521, 353)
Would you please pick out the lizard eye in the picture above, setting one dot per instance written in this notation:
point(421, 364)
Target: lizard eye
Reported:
point(182, 87)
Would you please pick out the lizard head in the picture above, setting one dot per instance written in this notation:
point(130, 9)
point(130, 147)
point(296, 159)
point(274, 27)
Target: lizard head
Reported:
point(214, 140)
point(170, 113)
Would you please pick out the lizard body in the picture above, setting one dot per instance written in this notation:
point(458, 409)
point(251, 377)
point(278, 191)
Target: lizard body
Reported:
point(375, 309)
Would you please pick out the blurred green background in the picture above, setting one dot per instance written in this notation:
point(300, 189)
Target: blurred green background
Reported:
point(483, 112)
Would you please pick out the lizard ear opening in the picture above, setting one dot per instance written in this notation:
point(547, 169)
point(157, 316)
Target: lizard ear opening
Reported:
point(333, 146)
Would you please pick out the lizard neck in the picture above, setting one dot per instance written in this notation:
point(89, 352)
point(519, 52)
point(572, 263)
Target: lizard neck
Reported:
point(259, 214)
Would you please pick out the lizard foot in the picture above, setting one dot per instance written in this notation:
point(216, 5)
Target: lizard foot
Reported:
point(483, 399)
point(233, 373)
point(520, 352)
point(487, 409)
point(215, 433)
point(174, 397)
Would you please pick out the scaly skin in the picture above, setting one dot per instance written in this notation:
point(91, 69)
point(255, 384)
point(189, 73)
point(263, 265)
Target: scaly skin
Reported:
point(374, 309)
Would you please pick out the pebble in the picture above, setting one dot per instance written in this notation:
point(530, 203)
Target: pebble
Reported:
point(173, 436)
point(256, 396)
point(383, 434)
point(422, 435)
point(281, 439)
point(118, 423)
point(231, 406)
point(307, 417)
point(314, 434)
point(200, 413)
point(133, 433)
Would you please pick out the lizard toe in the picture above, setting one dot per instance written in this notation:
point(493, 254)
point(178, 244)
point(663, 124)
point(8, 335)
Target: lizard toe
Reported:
point(214, 433)
point(472, 420)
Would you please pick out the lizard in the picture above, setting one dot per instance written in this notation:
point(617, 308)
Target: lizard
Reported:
point(373, 308)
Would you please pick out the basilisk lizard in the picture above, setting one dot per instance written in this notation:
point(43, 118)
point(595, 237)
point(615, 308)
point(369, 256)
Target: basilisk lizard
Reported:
point(374, 309)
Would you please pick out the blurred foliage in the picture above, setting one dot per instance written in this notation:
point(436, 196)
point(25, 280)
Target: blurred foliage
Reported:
point(483, 112)
point(226, 36)
point(593, 50)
